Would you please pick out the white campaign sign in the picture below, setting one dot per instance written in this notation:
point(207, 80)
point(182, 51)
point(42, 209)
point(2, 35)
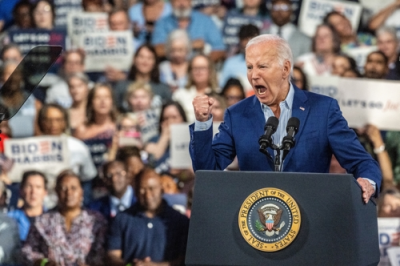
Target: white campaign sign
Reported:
point(47, 154)
point(394, 255)
point(386, 228)
point(179, 146)
point(107, 49)
point(363, 101)
point(82, 23)
point(313, 11)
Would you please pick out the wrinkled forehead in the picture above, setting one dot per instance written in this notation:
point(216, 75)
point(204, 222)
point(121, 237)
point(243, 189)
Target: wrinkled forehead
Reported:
point(265, 51)
point(376, 58)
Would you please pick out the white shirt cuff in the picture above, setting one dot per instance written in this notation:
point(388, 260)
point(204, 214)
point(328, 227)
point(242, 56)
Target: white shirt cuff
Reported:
point(203, 126)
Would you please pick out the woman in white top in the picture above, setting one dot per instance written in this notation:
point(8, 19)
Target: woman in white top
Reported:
point(325, 46)
point(202, 80)
point(78, 86)
point(174, 70)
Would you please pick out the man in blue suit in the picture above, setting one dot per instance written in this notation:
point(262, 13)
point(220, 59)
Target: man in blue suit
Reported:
point(323, 131)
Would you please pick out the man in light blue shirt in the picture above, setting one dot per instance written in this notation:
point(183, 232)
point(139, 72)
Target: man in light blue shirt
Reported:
point(202, 31)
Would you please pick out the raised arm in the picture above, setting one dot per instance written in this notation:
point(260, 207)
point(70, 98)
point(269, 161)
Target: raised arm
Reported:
point(206, 154)
point(378, 20)
point(382, 155)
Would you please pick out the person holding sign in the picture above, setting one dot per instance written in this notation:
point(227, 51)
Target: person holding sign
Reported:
point(348, 37)
point(158, 147)
point(323, 130)
point(73, 62)
point(43, 15)
point(387, 16)
point(144, 69)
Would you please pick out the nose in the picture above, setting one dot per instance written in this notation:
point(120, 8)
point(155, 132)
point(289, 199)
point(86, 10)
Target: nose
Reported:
point(254, 74)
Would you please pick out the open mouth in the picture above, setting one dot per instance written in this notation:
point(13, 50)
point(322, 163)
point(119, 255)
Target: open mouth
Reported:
point(261, 89)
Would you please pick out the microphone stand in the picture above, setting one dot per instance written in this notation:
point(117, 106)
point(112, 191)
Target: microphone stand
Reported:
point(278, 164)
point(277, 161)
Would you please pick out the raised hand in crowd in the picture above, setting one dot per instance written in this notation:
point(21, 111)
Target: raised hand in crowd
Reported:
point(158, 149)
point(374, 135)
point(380, 18)
point(202, 107)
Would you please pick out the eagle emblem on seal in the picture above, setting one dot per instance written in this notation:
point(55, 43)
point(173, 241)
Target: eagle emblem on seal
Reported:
point(269, 218)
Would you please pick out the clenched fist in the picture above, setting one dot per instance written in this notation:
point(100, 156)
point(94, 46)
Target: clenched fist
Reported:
point(202, 106)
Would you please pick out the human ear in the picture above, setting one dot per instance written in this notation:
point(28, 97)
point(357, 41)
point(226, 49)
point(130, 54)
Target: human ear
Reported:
point(287, 67)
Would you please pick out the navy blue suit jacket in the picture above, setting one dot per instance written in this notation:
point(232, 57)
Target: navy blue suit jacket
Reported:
point(323, 131)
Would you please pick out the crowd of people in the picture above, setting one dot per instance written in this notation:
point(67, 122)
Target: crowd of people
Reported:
point(123, 202)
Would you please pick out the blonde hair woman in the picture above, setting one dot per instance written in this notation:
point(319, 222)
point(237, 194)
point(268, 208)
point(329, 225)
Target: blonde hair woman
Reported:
point(139, 97)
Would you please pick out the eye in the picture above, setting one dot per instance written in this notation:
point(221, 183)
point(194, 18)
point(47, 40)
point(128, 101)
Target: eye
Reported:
point(249, 67)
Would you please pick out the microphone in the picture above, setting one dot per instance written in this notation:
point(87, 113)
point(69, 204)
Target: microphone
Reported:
point(288, 141)
point(265, 140)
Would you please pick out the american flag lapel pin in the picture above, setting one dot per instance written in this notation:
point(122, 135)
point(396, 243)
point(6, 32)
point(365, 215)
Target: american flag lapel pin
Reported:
point(301, 108)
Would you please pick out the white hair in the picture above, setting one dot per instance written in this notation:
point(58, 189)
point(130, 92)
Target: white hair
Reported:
point(282, 47)
point(181, 35)
point(390, 30)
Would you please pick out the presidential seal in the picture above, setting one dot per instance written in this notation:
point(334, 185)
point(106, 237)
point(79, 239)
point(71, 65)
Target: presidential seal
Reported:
point(269, 219)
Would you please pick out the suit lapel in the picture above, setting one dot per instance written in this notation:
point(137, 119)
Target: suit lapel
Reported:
point(254, 114)
point(300, 110)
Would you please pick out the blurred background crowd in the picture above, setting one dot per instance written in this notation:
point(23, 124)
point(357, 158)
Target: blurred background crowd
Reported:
point(116, 123)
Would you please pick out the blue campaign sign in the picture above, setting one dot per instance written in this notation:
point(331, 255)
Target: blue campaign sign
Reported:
point(98, 149)
point(27, 39)
point(62, 8)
